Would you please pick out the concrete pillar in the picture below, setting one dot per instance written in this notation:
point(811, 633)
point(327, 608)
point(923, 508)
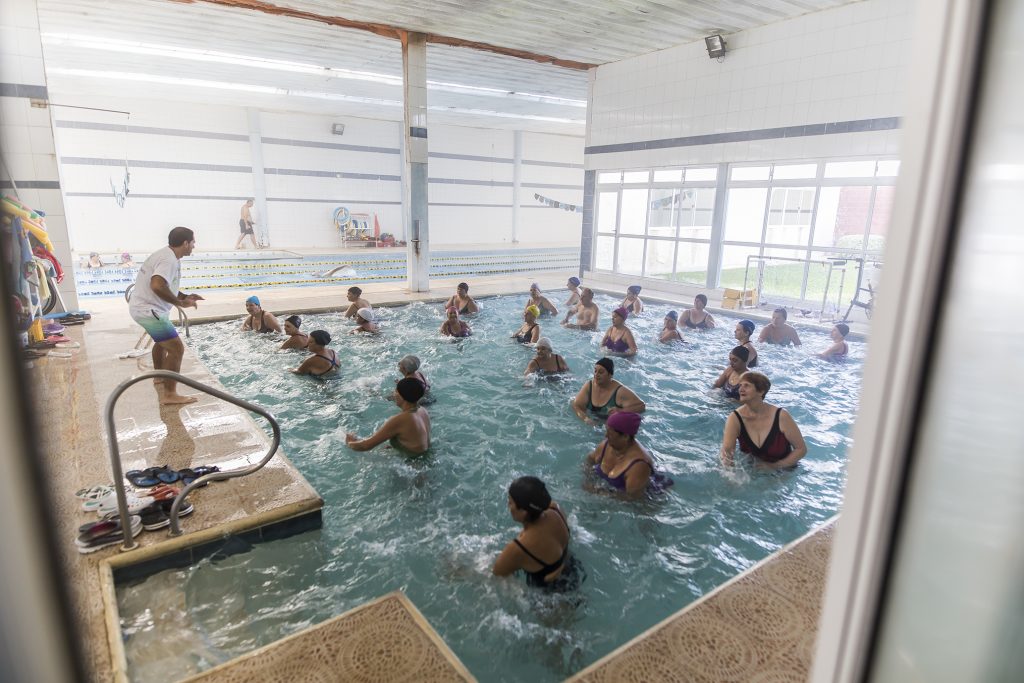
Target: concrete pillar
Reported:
point(717, 228)
point(517, 177)
point(259, 181)
point(26, 131)
point(414, 170)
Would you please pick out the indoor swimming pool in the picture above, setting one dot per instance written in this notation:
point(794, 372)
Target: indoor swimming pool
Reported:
point(432, 526)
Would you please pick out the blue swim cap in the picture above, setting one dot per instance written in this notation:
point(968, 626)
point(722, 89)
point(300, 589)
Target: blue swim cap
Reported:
point(574, 280)
point(253, 300)
point(748, 325)
point(672, 314)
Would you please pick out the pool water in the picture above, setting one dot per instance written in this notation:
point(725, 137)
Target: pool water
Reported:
point(432, 526)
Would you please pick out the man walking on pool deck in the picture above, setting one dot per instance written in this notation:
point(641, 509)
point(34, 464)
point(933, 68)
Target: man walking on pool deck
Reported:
point(245, 224)
point(155, 294)
point(409, 430)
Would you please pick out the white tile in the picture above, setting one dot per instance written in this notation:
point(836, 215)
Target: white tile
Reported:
point(10, 69)
point(29, 43)
point(15, 139)
point(20, 166)
point(45, 166)
point(41, 139)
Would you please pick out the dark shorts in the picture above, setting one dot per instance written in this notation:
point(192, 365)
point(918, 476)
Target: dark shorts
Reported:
point(244, 227)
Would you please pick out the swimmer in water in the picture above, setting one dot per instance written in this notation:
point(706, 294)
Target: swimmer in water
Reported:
point(356, 301)
point(259, 320)
point(324, 361)
point(540, 301)
point(409, 430)
point(632, 302)
point(729, 380)
point(297, 339)
point(603, 396)
point(670, 332)
point(621, 462)
point(364, 322)
point(764, 431)
point(409, 366)
point(546, 362)
point(618, 338)
point(573, 285)
point(744, 329)
point(779, 331)
point(529, 331)
point(586, 313)
point(462, 301)
point(839, 349)
point(452, 326)
point(697, 318)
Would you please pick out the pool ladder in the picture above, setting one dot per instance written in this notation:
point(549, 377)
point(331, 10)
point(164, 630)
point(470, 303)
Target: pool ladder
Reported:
point(115, 451)
point(144, 340)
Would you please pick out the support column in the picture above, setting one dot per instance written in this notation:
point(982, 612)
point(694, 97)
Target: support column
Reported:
point(259, 180)
point(414, 170)
point(717, 228)
point(517, 177)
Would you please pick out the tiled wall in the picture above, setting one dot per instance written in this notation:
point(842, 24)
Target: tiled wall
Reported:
point(192, 165)
point(26, 136)
point(772, 97)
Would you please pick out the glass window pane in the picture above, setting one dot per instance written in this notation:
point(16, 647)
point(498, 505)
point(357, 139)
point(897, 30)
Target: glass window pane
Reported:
point(842, 217)
point(850, 169)
point(669, 176)
point(744, 214)
point(695, 211)
point(698, 175)
point(636, 176)
point(692, 263)
point(880, 217)
point(795, 171)
point(789, 215)
point(609, 177)
point(631, 256)
point(665, 206)
point(660, 254)
point(633, 218)
point(888, 169)
point(751, 172)
point(734, 264)
point(782, 274)
point(843, 279)
point(607, 203)
point(604, 258)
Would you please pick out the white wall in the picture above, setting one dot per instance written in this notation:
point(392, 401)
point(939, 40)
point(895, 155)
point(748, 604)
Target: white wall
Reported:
point(192, 165)
point(837, 65)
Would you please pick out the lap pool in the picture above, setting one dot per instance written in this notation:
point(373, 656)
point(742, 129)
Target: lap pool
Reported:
point(432, 526)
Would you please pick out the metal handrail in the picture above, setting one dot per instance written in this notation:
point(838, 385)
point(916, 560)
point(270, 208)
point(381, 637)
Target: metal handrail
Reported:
point(182, 316)
point(115, 451)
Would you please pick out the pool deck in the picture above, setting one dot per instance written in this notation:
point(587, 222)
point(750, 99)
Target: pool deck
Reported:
point(212, 431)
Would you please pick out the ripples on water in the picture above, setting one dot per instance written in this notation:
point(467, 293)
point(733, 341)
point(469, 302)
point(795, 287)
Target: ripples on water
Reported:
point(432, 526)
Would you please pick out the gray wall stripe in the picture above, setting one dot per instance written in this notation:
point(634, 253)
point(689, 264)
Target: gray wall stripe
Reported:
point(330, 145)
point(500, 160)
point(177, 165)
point(146, 130)
point(293, 200)
point(831, 128)
point(297, 200)
point(37, 92)
point(134, 195)
point(31, 184)
point(330, 174)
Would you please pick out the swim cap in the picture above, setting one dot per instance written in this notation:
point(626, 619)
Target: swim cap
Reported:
point(622, 312)
point(463, 285)
point(530, 494)
point(843, 328)
point(634, 289)
point(544, 341)
point(748, 325)
point(533, 309)
point(607, 364)
point(321, 337)
point(366, 314)
point(741, 352)
point(411, 389)
point(253, 300)
point(409, 363)
point(672, 314)
point(295, 320)
point(575, 281)
point(452, 309)
point(624, 423)
point(534, 285)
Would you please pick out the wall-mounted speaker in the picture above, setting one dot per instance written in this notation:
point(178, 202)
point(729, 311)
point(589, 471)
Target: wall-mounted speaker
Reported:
point(338, 128)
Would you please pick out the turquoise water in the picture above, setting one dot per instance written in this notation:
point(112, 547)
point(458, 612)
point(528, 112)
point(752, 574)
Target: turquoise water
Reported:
point(432, 526)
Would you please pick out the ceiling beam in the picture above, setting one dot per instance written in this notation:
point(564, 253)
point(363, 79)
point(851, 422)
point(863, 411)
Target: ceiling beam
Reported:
point(388, 31)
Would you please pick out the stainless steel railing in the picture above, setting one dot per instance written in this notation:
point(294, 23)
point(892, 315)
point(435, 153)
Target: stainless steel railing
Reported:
point(182, 316)
point(115, 451)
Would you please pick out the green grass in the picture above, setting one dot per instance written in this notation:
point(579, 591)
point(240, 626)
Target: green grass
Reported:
point(782, 280)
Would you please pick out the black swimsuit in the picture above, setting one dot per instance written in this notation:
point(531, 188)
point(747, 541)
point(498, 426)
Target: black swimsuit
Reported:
point(263, 323)
point(333, 360)
point(537, 578)
point(526, 337)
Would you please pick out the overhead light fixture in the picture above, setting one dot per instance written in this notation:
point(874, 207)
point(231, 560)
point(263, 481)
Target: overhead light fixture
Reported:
point(716, 46)
point(338, 129)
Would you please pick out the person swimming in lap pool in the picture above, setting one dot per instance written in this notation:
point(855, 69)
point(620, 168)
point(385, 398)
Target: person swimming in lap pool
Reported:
point(764, 431)
point(618, 338)
point(409, 430)
point(621, 462)
point(323, 361)
point(602, 396)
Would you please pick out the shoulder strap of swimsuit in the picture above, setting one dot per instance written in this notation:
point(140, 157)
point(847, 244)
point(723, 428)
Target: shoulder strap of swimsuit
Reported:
point(536, 559)
point(623, 472)
point(600, 458)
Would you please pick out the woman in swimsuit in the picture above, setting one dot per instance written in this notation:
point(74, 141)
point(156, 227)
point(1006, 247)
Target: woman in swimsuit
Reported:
point(764, 431)
point(839, 348)
point(541, 550)
point(697, 318)
point(296, 338)
point(259, 320)
point(323, 360)
point(453, 327)
point(621, 462)
point(546, 362)
point(364, 322)
point(632, 301)
point(529, 331)
point(618, 338)
point(540, 301)
point(744, 329)
point(670, 332)
point(409, 366)
point(462, 301)
point(729, 380)
point(601, 396)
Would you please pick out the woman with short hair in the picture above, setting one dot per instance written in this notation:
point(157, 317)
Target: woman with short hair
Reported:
point(729, 380)
point(618, 338)
point(764, 431)
point(297, 339)
point(323, 360)
point(697, 318)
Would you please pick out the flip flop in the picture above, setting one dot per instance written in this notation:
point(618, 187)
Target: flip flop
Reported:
point(93, 492)
point(157, 515)
point(167, 476)
point(143, 479)
point(189, 475)
point(112, 538)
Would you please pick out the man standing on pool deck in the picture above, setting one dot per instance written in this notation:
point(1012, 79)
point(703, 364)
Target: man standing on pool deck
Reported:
point(245, 224)
point(409, 430)
point(155, 293)
point(355, 297)
point(778, 331)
